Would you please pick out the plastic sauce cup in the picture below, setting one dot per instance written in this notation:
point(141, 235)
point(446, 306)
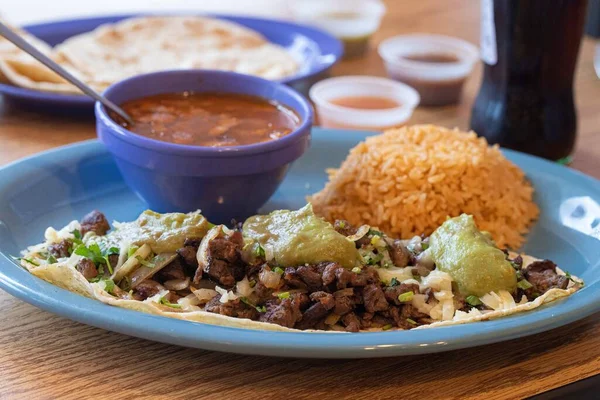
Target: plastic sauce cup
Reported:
point(352, 21)
point(436, 66)
point(327, 92)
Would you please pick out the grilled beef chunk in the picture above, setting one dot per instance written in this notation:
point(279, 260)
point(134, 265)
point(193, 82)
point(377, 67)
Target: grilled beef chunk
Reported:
point(262, 293)
point(344, 304)
point(324, 298)
point(225, 265)
point(344, 227)
point(87, 268)
point(192, 242)
point(292, 279)
point(311, 276)
point(315, 314)
point(113, 259)
point(188, 255)
point(285, 313)
point(174, 270)
point(367, 276)
point(61, 249)
point(96, 222)
point(374, 299)
point(542, 275)
point(410, 312)
point(300, 300)
point(147, 288)
point(399, 254)
point(233, 308)
point(351, 322)
point(329, 273)
point(392, 292)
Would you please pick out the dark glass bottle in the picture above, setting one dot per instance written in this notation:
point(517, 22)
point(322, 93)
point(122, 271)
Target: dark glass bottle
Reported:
point(530, 50)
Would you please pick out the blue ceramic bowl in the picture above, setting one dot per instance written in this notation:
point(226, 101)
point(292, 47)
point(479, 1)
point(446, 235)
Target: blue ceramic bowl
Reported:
point(224, 182)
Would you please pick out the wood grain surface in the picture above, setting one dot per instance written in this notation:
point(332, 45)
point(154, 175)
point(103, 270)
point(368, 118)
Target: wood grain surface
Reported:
point(43, 356)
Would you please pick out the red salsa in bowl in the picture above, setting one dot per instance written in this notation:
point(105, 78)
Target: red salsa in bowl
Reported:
point(210, 119)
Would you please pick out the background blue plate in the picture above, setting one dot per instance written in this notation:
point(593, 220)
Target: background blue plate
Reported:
point(55, 187)
point(316, 49)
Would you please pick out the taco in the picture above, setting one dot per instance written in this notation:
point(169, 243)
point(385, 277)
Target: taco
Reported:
point(292, 270)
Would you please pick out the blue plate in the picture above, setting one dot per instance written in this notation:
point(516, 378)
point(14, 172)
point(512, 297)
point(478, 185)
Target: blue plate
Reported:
point(316, 49)
point(58, 186)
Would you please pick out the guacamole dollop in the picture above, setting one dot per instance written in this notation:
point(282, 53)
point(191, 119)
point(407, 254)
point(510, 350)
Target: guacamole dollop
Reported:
point(294, 238)
point(471, 258)
point(162, 232)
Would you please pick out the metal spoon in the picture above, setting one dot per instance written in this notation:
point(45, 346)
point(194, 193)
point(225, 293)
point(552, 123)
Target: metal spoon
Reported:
point(18, 41)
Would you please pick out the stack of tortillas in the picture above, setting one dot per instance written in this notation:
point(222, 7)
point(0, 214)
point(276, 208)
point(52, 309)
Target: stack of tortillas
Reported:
point(134, 46)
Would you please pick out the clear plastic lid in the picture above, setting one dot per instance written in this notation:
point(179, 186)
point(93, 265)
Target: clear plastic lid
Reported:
point(342, 18)
point(401, 56)
point(325, 93)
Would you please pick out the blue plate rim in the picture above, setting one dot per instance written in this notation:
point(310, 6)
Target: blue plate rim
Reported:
point(333, 47)
point(17, 282)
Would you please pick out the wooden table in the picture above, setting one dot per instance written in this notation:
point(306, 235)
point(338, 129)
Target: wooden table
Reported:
point(44, 356)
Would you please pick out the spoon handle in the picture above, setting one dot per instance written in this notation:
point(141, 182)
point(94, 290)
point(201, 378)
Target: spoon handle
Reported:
point(21, 43)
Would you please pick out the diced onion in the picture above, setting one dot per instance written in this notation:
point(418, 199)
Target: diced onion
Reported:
point(502, 300)
point(226, 296)
point(270, 279)
point(419, 301)
point(243, 287)
point(461, 315)
point(204, 295)
point(189, 300)
point(132, 263)
point(437, 280)
point(177, 284)
point(448, 310)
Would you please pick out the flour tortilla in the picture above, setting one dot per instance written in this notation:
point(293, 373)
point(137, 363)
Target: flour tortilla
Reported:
point(113, 52)
point(66, 276)
point(18, 67)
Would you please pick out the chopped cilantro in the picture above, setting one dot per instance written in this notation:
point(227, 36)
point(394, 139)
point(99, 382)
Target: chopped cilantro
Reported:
point(394, 282)
point(424, 246)
point(374, 232)
point(145, 263)
point(411, 321)
point(167, 303)
point(278, 270)
point(258, 308)
point(30, 261)
point(107, 261)
point(252, 283)
point(109, 285)
point(473, 300)
point(259, 251)
point(113, 250)
point(77, 234)
point(341, 224)
point(387, 327)
point(524, 284)
point(284, 295)
point(91, 252)
point(406, 297)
